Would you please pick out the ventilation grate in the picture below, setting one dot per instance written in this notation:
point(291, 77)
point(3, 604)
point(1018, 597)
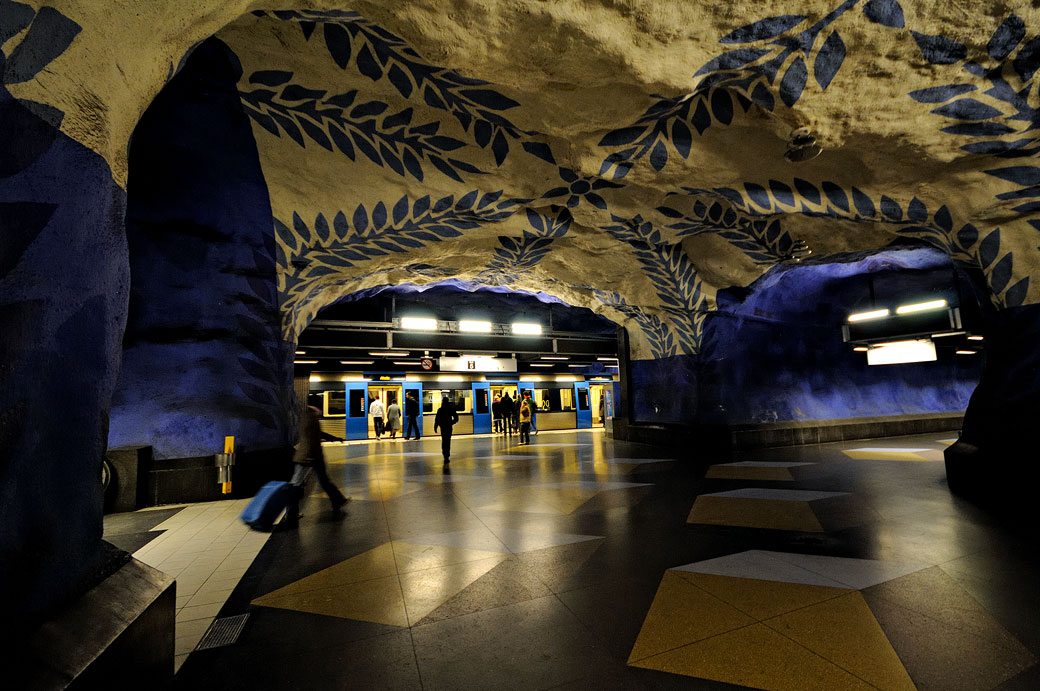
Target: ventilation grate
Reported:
point(224, 631)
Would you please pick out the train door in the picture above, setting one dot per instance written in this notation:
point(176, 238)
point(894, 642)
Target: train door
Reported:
point(583, 406)
point(481, 408)
point(387, 394)
point(357, 410)
point(598, 404)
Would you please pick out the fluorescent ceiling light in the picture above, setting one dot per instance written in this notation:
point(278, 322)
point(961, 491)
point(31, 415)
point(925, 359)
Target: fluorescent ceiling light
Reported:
point(578, 365)
point(449, 377)
point(555, 357)
point(967, 352)
point(389, 353)
point(566, 377)
point(864, 316)
point(975, 338)
point(478, 355)
point(305, 362)
point(861, 349)
point(301, 352)
point(921, 307)
point(315, 377)
point(526, 329)
point(354, 377)
point(901, 352)
point(948, 333)
point(412, 377)
point(419, 323)
point(474, 326)
point(355, 362)
point(532, 377)
point(406, 362)
point(607, 359)
point(542, 364)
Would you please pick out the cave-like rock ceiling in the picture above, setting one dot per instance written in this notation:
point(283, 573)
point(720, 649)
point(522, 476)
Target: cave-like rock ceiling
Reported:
point(625, 156)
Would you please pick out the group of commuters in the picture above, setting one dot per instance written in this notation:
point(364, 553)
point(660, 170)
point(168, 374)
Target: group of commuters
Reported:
point(510, 416)
point(388, 418)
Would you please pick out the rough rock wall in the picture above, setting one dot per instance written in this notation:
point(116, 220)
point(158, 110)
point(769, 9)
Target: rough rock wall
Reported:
point(63, 291)
point(202, 354)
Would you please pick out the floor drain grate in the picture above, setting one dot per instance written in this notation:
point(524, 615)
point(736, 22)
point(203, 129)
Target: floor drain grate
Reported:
point(223, 632)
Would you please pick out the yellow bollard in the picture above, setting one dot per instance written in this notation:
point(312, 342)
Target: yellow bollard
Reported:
point(229, 447)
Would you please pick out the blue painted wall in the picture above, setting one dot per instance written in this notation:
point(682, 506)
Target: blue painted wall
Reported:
point(203, 356)
point(774, 352)
point(63, 288)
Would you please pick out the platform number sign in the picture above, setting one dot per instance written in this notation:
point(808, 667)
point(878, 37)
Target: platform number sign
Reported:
point(426, 363)
point(471, 364)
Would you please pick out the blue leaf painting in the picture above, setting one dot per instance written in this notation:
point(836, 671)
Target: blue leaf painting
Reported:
point(732, 59)
point(682, 138)
point(1025, 176)
point(1001, 274)
point(540, 150)
point(781, 192)
point(337, 40)
point(489, 99)
point(793, 82)
point(988, 248)
point(1017, 293)
point(1028, 59)
point(885, 12)
point(967, 109)
point(659, 156)
point(939, 94)
point(722, 106)
point(367, 65)
point(979, 129)
point(890, 208)
point(270, 77)
point(864, 205)
point(1007, 36)
point(967, 236)
point(49, 35)
point(360, 219)
point(769, 27)
point(836, 195)
point(828, 60)
point(807, 190)
point(400, 80)
point(701, 118)
point(940, 50)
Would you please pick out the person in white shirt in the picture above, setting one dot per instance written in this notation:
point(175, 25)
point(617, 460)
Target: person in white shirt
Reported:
point(377, 412)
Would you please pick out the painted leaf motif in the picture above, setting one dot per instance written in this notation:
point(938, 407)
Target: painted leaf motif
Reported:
point(890, 208)
point(1025, 176)
point(1028, 59)
point(1001, 274)
point(939, 94)
point(836, 195)
point(967, 236)
point(722, 106)
point(769, 27)
point(489, 99)
point(49, 35)
point(400, 80)
point(337, 40)
point(988, 248)
point(864, 205)
point(943, 219)
point(978, 129)
point(885, 12)
point(367, 64)
point(1006, 37)
point(940, 50)
point(1016, 294)
point(540, 150)
point(781, 192)
point(732, 59)
point(828, 60)
point(270, 77)
point(659, 156)
point(967, 109)
point(793, 82)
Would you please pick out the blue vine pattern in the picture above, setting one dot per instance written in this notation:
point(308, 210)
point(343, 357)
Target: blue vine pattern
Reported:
point(658, 336)
point(517, 255)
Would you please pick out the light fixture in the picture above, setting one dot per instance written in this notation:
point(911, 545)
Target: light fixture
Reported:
point(406, 362)
point(471, 326)
point(354, 377)
point(864, 316)
point(389, 353)
point(555, 357)
point(975, 338)
point(542, 364)
point(861, 349)
point(305, 362)
point(534, 377)
point(921, 306)
point(899, 352)
point(477, 355)
point(412, 377)
point(967, 352)
point(449, 377)
point(566, 377)
point(599, 379)
point(607, 359)
point(949, 333)
point(418, 323)
point(578, 365)
point(315, 378)
point(527, 329)
point(301, 352)
point(355, 362)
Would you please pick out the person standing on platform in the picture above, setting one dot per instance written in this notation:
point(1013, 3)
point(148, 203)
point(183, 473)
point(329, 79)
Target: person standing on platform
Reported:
point(376, 409)
point(393, 418)
point(411, 414)
point(445, 420)
point(496, 414)
point(524, 415)
point(309, 456)
point(507, 414)
point(534, 411)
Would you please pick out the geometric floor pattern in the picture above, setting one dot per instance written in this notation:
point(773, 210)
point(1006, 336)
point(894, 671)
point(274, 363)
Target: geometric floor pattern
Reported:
point(893, 454)
point(784, 621)
point(756, 470)
point(780, 509)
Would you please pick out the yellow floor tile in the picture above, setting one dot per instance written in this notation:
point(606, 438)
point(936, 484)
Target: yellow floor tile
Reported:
point(755, 513)
point(425, 591)
point(682, 613)
point(844, 631)
point(759, 657)
point(888, 456)
point(378, 601)
point(542, 500)
point(375, 563)
point(411, 556)
point(737, 472)
point(762, 599)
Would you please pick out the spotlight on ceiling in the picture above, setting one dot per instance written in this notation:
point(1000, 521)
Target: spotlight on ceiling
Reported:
point(802, 146)
point(526, 329)
point(418, 324)
point(470, 326)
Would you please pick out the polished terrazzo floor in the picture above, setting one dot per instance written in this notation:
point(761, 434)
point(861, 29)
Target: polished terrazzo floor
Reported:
point(582, 563)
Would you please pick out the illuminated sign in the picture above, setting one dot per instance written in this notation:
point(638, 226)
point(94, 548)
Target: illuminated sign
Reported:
point(477, 364)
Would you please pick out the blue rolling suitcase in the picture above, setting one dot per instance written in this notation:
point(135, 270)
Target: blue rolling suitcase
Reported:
point(270, 501)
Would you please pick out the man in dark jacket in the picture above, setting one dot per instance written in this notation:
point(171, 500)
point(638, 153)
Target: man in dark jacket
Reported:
point(445, 420)
point(496, 414)
point(507, 414)
point(309, 456)
point(411, 414)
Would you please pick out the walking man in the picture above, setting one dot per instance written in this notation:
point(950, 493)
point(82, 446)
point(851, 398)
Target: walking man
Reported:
point(411, 414)
point(376, 408)
point(309, 456)
point(445, 420)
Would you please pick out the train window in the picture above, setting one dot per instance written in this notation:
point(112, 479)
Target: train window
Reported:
point(357, 403)
point(583, 399)
point(482, 401)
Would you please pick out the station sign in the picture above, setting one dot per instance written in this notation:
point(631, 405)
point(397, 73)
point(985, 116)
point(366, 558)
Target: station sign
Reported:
point(477, 364)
